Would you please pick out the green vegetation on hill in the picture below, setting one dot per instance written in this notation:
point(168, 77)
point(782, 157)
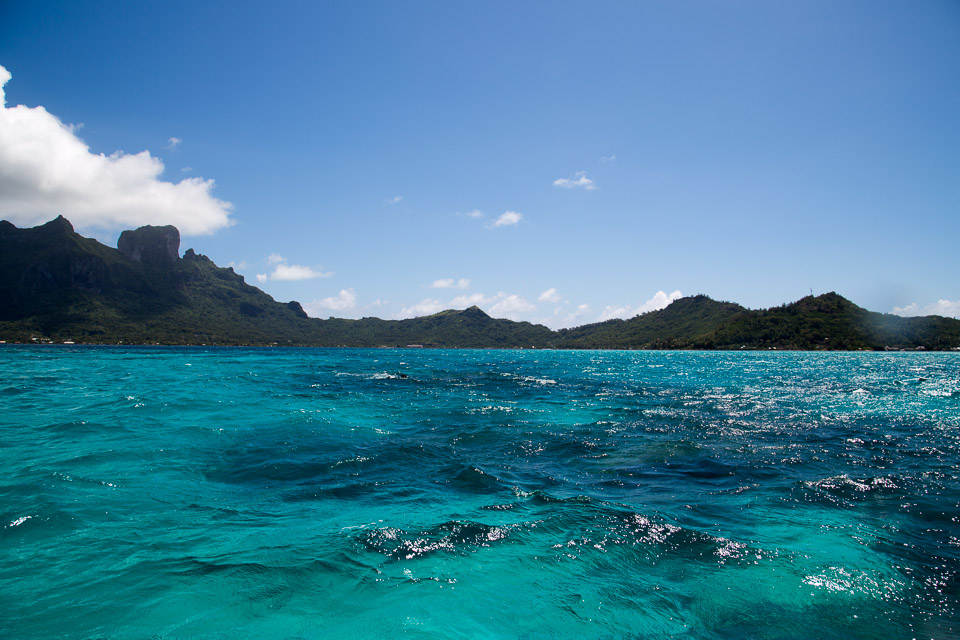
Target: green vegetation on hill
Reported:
point(56, 285)
point(670, 328)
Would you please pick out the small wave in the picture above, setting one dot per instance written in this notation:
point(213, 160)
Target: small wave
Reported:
point(845, 482)
point(845, 491)
point(474, 480)
point(450, 537)
point(19, 521)
point(540, 381)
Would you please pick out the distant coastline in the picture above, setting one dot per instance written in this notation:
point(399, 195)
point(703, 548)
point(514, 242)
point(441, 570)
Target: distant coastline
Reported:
point(58, 287)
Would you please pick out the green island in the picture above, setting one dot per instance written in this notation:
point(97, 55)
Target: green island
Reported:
point(57, 286)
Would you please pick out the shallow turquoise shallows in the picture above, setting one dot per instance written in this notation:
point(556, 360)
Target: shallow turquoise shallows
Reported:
point(311, 493)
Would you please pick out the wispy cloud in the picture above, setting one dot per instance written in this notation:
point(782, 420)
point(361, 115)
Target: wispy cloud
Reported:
point(174, 143)
point(464, 301)
point(450, 283)
point(564, 317)
point(394, 200)
point(606, 159)
point(425, 307)
point(507, 219)
point(942, 307)
point(579, 181)
point(550, 295)
point(659, 301)
point(577, 317)
point(283, 271)
point(46, 170)
point(297, 272)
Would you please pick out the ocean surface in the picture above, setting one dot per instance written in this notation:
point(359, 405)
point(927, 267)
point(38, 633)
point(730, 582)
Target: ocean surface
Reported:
point(311, 493)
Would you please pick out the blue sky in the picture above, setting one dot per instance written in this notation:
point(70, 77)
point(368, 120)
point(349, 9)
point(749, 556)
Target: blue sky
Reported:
point(557, 162)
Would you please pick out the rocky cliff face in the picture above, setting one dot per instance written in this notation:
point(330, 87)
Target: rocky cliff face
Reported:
point(155, 246)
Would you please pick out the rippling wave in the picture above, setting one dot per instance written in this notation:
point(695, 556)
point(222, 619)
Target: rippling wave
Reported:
point(170, 493)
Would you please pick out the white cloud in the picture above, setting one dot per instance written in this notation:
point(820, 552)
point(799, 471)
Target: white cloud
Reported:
point(474, 299)
point(608, 159)
point(510, 306)
point(476, 214)
point(46, 170)
point(550, 295)
point(174, 143)
point(507, 218)
point(394, 199)
point(942, 307)
point(564, 318)
point(297, 272)
point(450, 283)
point(579, 179)
point(659, 301)
point(344, 301)
point(284, 271)
point(502, 305)
point(425, 307)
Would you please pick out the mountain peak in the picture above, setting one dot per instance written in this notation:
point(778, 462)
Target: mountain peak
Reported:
point(474, 312)
point(151, 245)
point(58, 225)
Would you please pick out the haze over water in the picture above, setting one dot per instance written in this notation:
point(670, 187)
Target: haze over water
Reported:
point(310, 493)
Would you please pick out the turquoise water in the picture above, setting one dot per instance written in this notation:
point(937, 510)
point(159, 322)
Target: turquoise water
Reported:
point(266, 493)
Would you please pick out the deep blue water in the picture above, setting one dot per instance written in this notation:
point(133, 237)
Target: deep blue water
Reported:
point(267, 493)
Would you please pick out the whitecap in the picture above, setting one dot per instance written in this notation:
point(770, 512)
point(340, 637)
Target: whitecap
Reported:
point(19, 521)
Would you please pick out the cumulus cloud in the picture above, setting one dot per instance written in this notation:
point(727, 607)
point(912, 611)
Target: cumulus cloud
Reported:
point(284, 271)
point(659, 301)
point(450, 283)
point(550, 295)
point(507, 219)
point(942, 307)
point(579, 180)
point(46, 170)
point(343, 301)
